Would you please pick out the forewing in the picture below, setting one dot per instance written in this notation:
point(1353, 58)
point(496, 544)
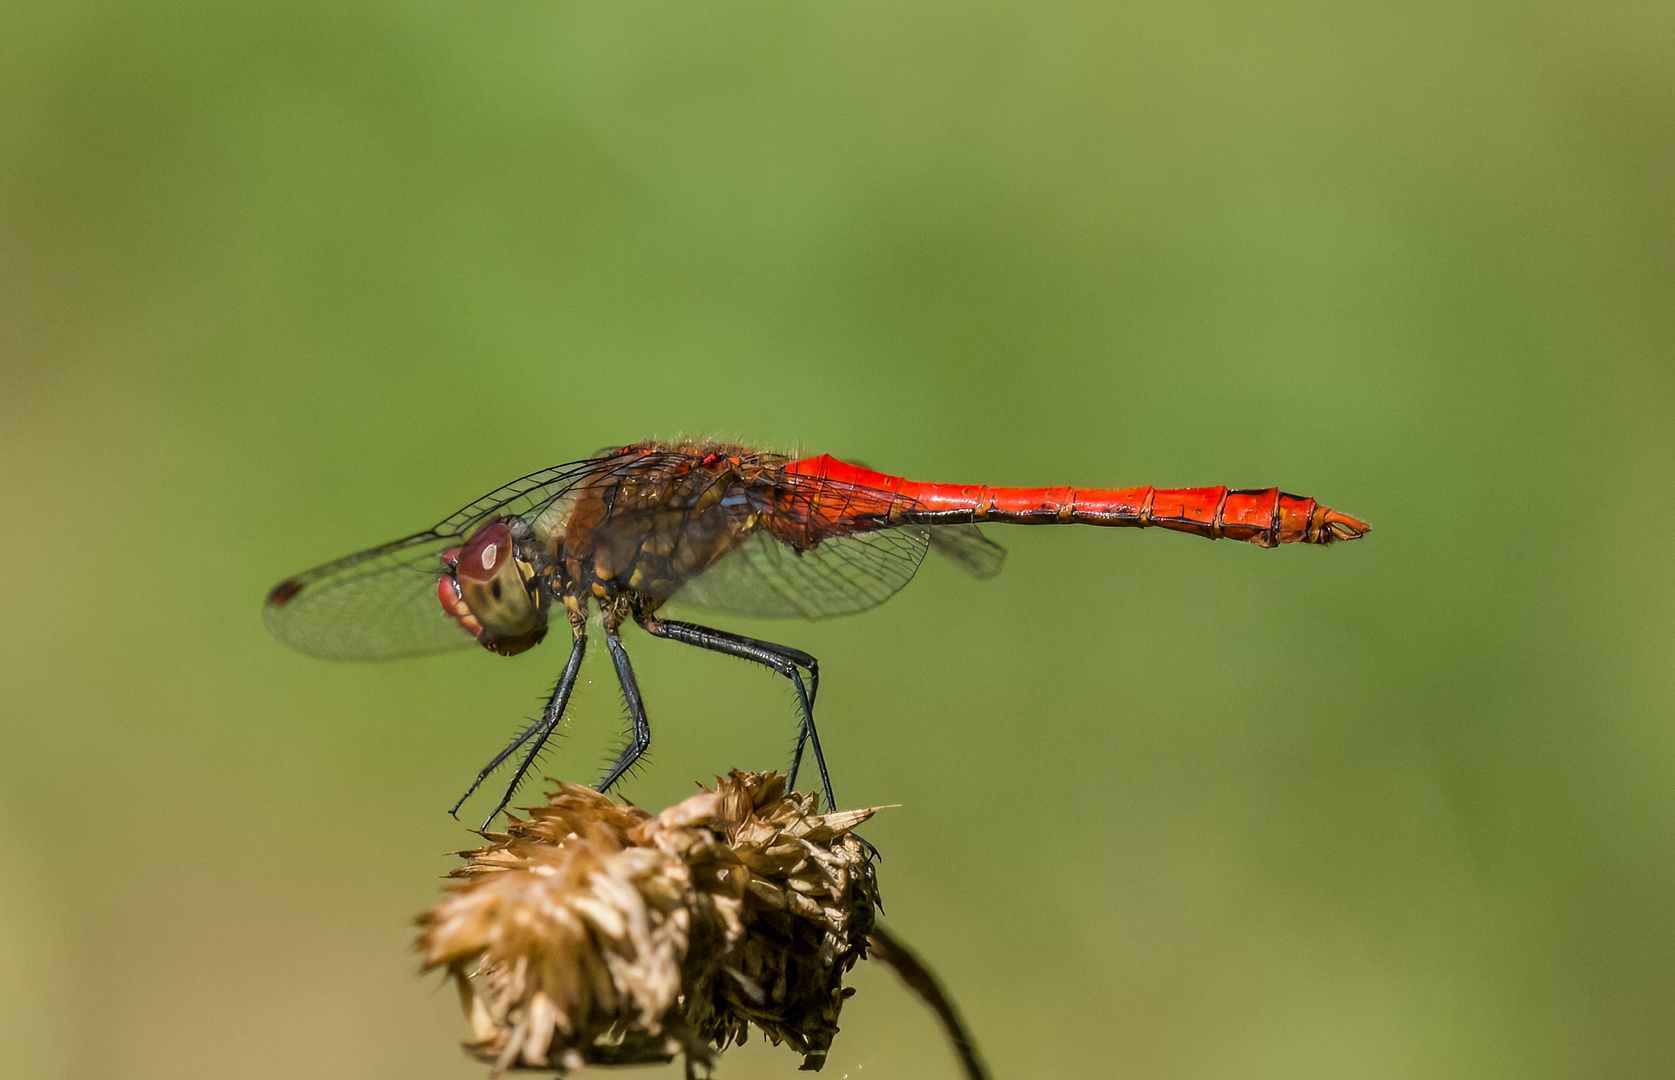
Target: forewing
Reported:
point(376, 605)
point(840, 576)
point(529, 497)
point(381, 604)
point(969, 549)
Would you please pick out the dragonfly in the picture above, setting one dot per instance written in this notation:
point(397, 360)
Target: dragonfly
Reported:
point(716, 527)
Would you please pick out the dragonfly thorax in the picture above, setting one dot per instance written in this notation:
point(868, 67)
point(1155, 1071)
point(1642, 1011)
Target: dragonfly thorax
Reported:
point(491, 586)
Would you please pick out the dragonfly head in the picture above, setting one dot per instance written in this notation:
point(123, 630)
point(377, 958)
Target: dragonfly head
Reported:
point(490, 586)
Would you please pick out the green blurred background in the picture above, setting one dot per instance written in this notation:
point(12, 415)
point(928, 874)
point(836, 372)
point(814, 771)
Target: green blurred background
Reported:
point(280, 281)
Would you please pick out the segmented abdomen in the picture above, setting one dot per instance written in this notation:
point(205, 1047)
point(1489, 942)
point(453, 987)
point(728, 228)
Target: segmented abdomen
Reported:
point(1264, 516)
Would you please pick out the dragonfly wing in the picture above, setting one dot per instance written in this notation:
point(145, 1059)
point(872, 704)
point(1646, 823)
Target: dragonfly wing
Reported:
point(969, 549)
point(377, 605)
point(531, 497)
point(840, 576)
point(381, 603)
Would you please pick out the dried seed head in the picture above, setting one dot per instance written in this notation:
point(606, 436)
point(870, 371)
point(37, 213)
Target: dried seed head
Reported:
point(596, 933)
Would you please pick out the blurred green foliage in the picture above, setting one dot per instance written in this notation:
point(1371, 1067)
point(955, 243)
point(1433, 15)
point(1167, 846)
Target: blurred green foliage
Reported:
point(281, 281)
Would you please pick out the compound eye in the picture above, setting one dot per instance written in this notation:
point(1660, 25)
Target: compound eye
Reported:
point(484, 553)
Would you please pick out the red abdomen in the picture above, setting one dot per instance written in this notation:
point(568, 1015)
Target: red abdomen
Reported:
point(1264, 516)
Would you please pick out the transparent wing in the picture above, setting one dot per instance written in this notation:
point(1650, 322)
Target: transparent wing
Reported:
point(969, 549)
point(381, 603)
point(529, 497)
point(840, 576)
point(377, 605)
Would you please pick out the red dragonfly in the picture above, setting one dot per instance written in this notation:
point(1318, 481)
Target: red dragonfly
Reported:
point(713, 526)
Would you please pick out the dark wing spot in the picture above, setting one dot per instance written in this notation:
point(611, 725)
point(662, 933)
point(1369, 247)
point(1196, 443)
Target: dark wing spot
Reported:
point(495, 588)
point(283, 592)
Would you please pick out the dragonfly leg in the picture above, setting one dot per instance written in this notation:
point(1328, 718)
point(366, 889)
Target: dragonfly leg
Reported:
point(538, 731)
point(496, 762)
point(641, 735)
point(780, 658)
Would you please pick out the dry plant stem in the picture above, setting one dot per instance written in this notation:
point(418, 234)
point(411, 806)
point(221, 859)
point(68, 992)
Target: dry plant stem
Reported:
point(888, 948)
point(596, 933)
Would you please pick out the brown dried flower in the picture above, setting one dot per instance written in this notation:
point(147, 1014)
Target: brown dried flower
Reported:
point(596, 933)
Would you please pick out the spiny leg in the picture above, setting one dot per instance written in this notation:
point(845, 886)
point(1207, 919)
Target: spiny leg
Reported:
point(538, 731)
point(781, 658)
point(641, 736)
point(806, 729)
point(497, 760)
